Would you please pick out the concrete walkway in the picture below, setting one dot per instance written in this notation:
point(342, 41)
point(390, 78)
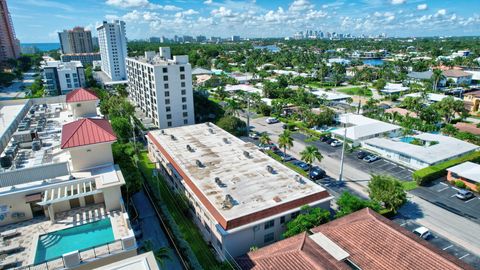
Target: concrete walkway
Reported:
point(152, 229)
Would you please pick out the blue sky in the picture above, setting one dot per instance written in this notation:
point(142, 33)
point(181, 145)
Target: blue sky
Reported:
point(39, 20)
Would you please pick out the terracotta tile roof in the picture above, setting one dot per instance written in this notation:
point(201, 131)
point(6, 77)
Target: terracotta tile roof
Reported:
point(81, 94)
point(456, 73)
point(474, 93)
point(466, 127)
point(86, 131)
point(372, 241)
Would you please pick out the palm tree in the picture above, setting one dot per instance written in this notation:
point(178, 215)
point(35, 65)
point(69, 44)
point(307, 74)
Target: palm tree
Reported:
point(437, 76)
point(264, 138)
point(161, 255)
point(310, 154)
point(285, 140)
point(232, 107)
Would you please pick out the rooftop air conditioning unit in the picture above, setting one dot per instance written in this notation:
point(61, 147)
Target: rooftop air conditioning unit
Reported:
point(228, 202)
point(172, 137)
point(247, 154)
point(208, 124)
point(270, 169)
point(211, 131)
point(299, 179)
point(219, 182)
point(189, 148)
point(199, 163)
point(225, 140)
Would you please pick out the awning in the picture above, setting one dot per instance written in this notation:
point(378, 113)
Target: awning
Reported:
point(33, 197)
point(69, 191)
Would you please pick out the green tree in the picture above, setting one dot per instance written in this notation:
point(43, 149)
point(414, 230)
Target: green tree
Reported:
point(161, 254)
point(264, 138)
point(285, 140)
point(349, 203)
point(122, 128)
point(311, 154)
point(309, 218)
point(233, 125)
point(387, 190)
point(448, 107)
point(437, 76)
point(380, 84)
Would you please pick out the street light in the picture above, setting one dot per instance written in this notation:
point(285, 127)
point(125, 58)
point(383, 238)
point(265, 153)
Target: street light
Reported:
point(343, 148)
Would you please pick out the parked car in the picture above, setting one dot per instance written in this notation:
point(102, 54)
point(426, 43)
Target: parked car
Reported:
point(362, 154)
point(423, 232)
point(253, 135)
point(336, 143)
point(329, 140)
point(271, 120)
point(302, 165)
point(285, 157)
point(371, 158)
point(270, 146)
point(324, 138)
point(317, 173)
point(463, 194)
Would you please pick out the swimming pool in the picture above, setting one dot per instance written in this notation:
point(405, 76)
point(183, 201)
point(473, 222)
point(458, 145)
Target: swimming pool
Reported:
point(55, 244)
point(407, 139)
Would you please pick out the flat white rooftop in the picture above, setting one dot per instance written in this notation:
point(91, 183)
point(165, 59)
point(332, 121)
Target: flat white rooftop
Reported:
point(240, 167)
point(145, 261)
point(359, 126)
point(432, 97)
point(243, 87)
point(444, 149)
point(8, 114)
point(330, 96)
point(468, 170)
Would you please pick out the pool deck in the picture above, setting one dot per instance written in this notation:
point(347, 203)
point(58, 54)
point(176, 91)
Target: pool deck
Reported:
point(30, 230)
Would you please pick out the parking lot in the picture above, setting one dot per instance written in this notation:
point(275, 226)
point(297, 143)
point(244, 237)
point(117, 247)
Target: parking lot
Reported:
point(381, 166)
point(443, 195)
point(442, 243)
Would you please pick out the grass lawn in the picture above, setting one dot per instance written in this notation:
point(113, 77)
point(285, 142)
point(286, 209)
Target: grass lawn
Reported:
point(320, 84)
point(187, 227)
point(409, 185)
point(356, 91)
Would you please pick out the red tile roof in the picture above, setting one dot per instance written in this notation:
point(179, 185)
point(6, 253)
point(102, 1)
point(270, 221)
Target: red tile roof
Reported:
point(86, 131)
point(372, 241)
point(467, 127)
point(81, 94)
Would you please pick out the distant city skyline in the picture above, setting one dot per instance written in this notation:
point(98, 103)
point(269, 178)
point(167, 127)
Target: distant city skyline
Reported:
point(41, 20)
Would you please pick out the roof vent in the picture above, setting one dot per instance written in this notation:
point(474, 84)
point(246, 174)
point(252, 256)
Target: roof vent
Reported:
point(299, 179)
point(225, 140)
point(277, 199)
point(208, 124)
point(199, 163)
point(173, 137)
point(211, 131)
point(219, 182)
point(189, 148)
point(162, 131)
point(270, 169)
point(247, 154)
point(228, 202)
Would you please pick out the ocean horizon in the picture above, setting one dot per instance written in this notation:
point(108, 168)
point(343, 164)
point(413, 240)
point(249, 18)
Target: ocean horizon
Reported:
point(43, 46)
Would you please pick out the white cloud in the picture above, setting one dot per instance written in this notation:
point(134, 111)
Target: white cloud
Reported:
point(140, 4)
point(398, 2)
point(186, 13)
point(300, 5)
point(222, 12)
point(208, 2)
point(441, 12)
point(422, 7)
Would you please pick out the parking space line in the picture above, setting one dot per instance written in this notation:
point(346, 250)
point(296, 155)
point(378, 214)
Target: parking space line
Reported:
point(447, 247)
point(403, 224)
point(453, 195)
point(440, 190)
point(470, 200)
point(457, 189)
point(464, 256)
point(441, 183)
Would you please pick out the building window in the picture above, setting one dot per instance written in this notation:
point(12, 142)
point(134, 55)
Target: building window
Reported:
point(184, 106)
point(182, 69)
point(165, 86)
point(169, 124)
point(282, 219)
point(219, 244)
point(184, 92)
point(167, 94)
point(269, 224)
point(167, 108)
point(185, 121)
point(294, 215)
point(183, 84)
point(185, 114)
point(269, 237)
point(182, 76)
point(165, 70)
point(167, 101)
point(169, 116)
point(165, 78)
point(184, 99)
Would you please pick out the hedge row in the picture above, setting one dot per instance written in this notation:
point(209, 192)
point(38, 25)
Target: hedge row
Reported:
point(428, 174)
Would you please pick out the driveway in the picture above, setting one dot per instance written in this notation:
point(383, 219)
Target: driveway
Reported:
point(443, 195)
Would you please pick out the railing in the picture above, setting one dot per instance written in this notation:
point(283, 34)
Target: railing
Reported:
point(85, 254)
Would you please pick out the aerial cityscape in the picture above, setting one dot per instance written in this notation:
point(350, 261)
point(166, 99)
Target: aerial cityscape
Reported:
point(239, 134)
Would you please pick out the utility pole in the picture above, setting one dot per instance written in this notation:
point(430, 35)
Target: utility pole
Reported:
point(340, 177)
point(248, 114)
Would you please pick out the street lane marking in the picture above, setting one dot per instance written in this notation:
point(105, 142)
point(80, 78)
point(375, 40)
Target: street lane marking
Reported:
point(464, 256)
point(440, 190)
point(448, 247)
point(470, 200)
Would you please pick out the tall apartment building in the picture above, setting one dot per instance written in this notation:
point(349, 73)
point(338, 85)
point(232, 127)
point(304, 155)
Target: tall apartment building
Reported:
point(77, 40)
point(112, 42)
point(63, 77)
point(162, 87)
point(9, 44)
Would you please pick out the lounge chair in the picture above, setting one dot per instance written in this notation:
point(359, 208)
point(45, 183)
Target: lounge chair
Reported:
point(10, 249)
point(9, 233)
point(8, 263)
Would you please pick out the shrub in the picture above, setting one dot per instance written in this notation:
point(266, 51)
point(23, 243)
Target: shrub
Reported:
point(428, 174)
point(460, 184)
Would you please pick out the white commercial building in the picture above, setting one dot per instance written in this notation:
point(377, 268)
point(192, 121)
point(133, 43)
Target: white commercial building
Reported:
point(162, 87)
point(112, 42)
point(330, 95)
point(240, 196)
point(428, 149)
point(63, 77)
point(243, 87)
point(360, 128)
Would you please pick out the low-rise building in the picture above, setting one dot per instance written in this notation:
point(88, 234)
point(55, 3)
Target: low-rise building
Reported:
point(472, 101)
point(63, 77)
point(420, 151)
point(84, 58)
point(243, 87)
point(331, 95)
point(467, 172)
point(361, 240)
point(431, 97)
point(360, 128)
point(394, 89)
point(240, 196)
point(82, 102)
point(458, 77)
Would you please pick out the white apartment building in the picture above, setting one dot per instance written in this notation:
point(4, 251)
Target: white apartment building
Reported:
point(240, 197)
point(63, 77)
point(112, 42)
point(162, 87)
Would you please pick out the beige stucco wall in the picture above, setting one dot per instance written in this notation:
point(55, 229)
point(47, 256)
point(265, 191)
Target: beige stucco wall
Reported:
point(90, 156)
point(112, 196)
point(83, 109)
point(16, 203)
point(106, 260)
